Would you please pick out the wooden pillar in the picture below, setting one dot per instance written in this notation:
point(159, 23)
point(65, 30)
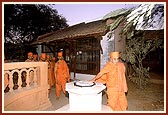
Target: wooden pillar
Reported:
point(99, 38)
point(74, 58)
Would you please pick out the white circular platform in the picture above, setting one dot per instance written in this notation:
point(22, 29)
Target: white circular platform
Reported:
point(65, 108)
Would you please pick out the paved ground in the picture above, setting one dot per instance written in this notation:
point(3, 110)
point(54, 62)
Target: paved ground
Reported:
point(149, 99)
point(64, 100)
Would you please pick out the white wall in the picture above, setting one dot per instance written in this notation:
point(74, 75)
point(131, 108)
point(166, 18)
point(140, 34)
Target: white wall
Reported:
point(39, 50)
point(107, 47)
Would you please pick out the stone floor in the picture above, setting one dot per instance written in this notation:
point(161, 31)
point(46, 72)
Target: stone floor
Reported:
point(138, 100)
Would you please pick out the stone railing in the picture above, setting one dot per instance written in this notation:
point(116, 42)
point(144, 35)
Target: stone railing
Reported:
point(25, 86)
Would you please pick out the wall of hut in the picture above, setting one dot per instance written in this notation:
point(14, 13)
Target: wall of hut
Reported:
point(115, 43)
point(107, 47)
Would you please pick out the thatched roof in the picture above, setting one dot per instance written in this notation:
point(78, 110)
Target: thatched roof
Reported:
point(96, 28)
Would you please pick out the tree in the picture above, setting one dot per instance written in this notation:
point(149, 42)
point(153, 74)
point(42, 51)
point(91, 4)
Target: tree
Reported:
point(23, 23)
point(143, 17)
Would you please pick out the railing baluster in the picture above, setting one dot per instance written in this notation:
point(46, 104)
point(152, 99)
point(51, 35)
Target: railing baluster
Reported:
point(6, 81)
point(28, 78)
point(11, 81)
point(19, 80)
point(35, 76)
point(23, 77)
point(31, 76)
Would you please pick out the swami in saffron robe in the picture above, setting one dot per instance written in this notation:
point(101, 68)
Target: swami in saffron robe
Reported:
point(62, 76)
point(113, 75)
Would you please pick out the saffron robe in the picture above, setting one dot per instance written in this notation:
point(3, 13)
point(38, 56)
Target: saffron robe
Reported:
point(113, 75)
point(51, 80)
point(62, 76)
point(52, 65)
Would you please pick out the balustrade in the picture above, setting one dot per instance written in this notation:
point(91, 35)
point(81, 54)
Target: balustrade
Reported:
point(25, 83)
point(20, 77)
